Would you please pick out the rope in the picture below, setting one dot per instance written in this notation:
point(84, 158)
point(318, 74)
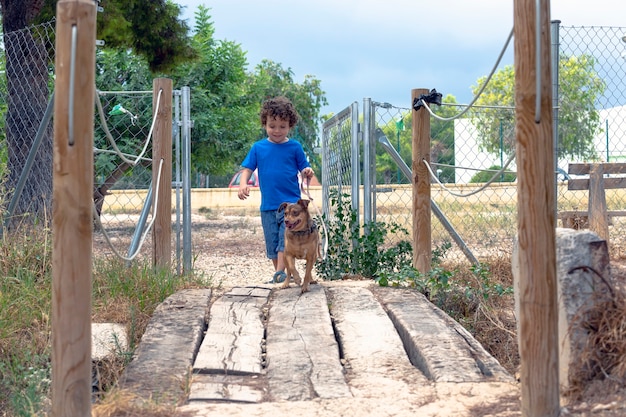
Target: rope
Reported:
point(484, 186)
point(319, 214)
point(107, 132)
point(145, 233)
point(482, 88)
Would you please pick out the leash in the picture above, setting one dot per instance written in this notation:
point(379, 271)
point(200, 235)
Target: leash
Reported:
point(319, 214)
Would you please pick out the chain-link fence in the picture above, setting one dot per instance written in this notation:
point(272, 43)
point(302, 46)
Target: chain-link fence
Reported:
point(26, 131)
point(604, 50)
point(122, 142)
point(123, 151)
point(473, 165)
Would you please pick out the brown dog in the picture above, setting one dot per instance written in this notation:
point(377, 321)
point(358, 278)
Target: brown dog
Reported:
point(301, 241)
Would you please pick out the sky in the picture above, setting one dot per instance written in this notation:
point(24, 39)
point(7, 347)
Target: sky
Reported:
point(382, 49)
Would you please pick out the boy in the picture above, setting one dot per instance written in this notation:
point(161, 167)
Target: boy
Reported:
point(278, 160)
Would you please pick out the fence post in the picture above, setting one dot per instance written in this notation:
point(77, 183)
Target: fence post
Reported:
point(598, 218)
point(162, 166)
point(421, 186)
point(538, 335)
point(73, 207)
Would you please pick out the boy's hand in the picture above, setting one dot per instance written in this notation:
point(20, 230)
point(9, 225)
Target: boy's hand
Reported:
point(243, 192)
point(308, 172)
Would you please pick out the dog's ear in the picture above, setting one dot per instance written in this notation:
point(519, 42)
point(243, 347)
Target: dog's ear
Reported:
point(283, 206)
point(304, 203)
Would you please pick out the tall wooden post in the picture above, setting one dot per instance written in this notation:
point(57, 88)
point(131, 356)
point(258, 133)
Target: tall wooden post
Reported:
point(162, 165)
point(421, 186)
point(538, 340)
point(73, 207)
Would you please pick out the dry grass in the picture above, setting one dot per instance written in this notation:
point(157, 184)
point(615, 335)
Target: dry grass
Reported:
point(604, 355)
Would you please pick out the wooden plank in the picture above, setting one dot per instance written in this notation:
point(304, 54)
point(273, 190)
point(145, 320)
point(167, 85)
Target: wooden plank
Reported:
point(607, 168)
point(436, 344)
point(598, 220)
point(261, 292)
point(234, 388)
point(371, 346)
point(233, 340)
point(584, 213)
point(607, 183)
point(163, 361)
point(302, 353)
point(72, 172)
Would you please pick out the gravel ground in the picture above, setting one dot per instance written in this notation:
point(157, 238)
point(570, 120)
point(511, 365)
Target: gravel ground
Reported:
point(228, 249)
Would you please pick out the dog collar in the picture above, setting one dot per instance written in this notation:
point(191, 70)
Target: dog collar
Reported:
point(308, 231)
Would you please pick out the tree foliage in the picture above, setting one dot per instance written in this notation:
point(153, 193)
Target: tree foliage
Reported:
point(151, 28)
point(225, 117)
point(579, 88)
point(398, 132)
point(270, 79)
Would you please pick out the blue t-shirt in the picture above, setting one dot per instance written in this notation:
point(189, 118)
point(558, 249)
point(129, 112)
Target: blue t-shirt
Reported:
point(278, 165)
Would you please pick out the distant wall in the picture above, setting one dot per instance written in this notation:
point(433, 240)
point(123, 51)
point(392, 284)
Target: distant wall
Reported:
point(201, 198)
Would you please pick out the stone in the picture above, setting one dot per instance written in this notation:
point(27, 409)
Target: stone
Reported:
point(582, 273)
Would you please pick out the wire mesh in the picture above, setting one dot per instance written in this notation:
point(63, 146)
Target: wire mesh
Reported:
point(122, 151)
point(604, 48)
point(25, 91)
point(338, 155)
point(472, 158)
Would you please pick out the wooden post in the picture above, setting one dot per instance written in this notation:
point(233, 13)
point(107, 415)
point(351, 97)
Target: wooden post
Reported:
point(162, 162)
point(421, 186)
point(72, 207)
point(538, 340)
point(598, 216)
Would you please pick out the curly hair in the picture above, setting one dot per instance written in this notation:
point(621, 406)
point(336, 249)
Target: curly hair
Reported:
point(279, 108)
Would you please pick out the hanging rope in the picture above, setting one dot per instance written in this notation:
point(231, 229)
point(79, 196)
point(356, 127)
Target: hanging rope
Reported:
point(419, 103)
point(146, 231)
point(483, 187)
point(107, 132)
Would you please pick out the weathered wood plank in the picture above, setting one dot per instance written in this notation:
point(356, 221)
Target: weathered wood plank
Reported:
point(302, 352)
point(232, 343)
point(436, 344)
point(162, 362)
point(261, 292)
point(607, 168)
point(376, 360)
point(607, 183)
point(235, 388)
point(598, 220)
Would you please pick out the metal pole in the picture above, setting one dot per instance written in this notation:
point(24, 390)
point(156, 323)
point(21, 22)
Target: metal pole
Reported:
point(554, 26)
point(402, 166)
point(186, 164)
point(29, 161)
point(367, 166)
point(177, 184)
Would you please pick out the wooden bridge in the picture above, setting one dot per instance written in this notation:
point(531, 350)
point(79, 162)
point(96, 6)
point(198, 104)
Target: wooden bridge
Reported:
point(349, 346)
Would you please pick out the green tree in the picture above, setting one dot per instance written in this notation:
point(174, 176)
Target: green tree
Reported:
point(270, 79)
point(399, 133)
point(150, 27)
point(580, 86)
point(442, 139)
point(226, 117)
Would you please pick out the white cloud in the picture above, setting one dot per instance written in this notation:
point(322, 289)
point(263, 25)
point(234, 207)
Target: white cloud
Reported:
point(367, 48)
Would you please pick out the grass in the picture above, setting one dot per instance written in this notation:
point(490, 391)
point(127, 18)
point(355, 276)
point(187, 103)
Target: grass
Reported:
point(121, 294)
